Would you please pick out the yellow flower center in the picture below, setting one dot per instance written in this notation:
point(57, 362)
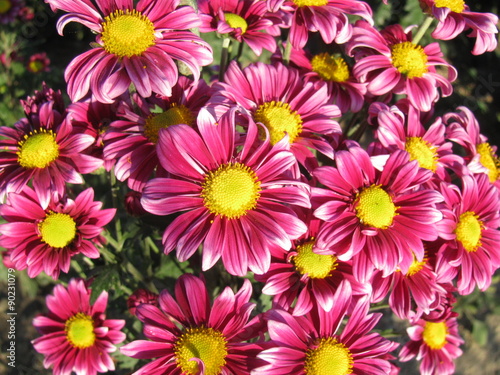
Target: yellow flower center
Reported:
point(127, 33)
point(409, 59)
point(374, 207)
point(469, 231)
point(328, 358)
point(310, 3)
point(36, 66)
point(5, 6)
point(57, 230)
point(434, 334)
point(177, 114)
point(80, 331)
point(38, 149)
point(279, 119)
point(316, 266)
point(330, 68)
point(236, 21)
point(416, 266)
point(423, 152)
point(206, 344)
point(489, 160)
point(231, 190)
point(456, 6)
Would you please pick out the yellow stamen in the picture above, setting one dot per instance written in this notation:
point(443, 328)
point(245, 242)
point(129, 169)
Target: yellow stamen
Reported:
point(175, 115)
point(328, 358)
point(456, 6)
point(423, 152)
point(57, 230)
point(80, 331)
point(409, 59)
point(489, 160)
point(469, 231)
point(279, 119)
point(374, 207)
point(38, 149)
point(236, 21)
point(434, 335)
point(310, 3)
point(330, 68)
point(316, 266)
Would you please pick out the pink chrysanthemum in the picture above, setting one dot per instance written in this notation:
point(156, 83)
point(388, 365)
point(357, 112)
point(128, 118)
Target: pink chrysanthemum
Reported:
point(237, 197)
point(470, 226)
point(77, 337)
point(311, 345)
point(345, 91)
point(46, 150)
point(377, 218)
point(188, 335)
point(277, 97)
point(435, 344)
point(400, 128)
point(481, 157)
point(391, 63)
point(454, 17)
point(39, 62)
point(246, 21)
point(307, 278)
point(134, 45)
point(328, 17)
point(45, 239)
point(132, 139)
point(9, 10)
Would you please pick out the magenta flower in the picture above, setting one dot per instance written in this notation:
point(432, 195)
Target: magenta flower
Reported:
point(39, 62)
point(328, 17)
point(311, 344)
point(391, 63)
point(237, 197)
point(377, 218)
point(76, 336)
point(45, 239)
point(44, 149)
point(246, 21)
point(345, 91)
point(454, 17)
point(302, 278)
point(400, 128)
point(435, 344)
point(132, 139)
point(188, 335)
point(133, 45)
point(470, 226)
point(481, 157)
point(277, 97)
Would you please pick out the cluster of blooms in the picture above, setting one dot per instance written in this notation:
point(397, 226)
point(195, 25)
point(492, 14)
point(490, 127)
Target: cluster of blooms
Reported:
point(256, 171)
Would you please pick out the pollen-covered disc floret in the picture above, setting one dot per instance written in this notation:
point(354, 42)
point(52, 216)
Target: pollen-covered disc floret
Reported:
point(177, 114)
point(310, 3)
point(38, 149)
point(207, 344)
point(423, 152)
point(489, 160)
point(80, 331)
point(469, 231)
point(57, 230)
point(374, 207)
point(127, 33)
point(236, 21)
point(456, 6)
point(231, 190)
point(329, 357)
point(434, 334)
point(316, 266)
point(279, 119)
point(409, 59)
point(330, 68)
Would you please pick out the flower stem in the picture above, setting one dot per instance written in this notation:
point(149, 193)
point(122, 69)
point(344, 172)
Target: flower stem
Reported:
point(421, 31)
point(288, 51)
point(224, 57)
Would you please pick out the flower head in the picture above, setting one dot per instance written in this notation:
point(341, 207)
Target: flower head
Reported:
point(391, 63)
point(76, 336)
point(188, 334)
point(377, 217)
point(435, 344)
point(134, 45)
point(455, 17)
point(312, 344)
point(46, 150)
point(246, 21)
point(39, 62)
point(45, 239)
point(237, 197)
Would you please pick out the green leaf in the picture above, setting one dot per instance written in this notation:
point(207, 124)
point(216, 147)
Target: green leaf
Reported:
point(108, 279)
point(480, 332)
